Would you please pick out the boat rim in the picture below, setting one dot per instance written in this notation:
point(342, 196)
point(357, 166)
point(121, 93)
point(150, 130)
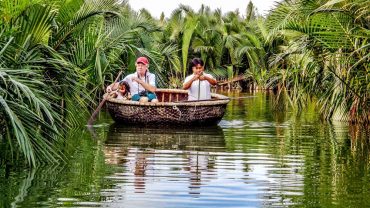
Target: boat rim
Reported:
point(217, 99)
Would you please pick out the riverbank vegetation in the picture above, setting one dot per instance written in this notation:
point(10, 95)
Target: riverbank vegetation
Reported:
point(56, 57)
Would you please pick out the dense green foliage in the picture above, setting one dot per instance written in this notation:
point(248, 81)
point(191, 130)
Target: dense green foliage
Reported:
point(57, 56)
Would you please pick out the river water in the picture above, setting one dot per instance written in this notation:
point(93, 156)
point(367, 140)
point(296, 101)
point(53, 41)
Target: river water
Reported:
point(258, 156)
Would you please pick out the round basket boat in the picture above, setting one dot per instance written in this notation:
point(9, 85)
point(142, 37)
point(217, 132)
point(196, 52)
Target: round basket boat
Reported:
point(173, 108)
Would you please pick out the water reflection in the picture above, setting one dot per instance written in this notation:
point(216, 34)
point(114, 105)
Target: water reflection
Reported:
point(148, 154)
point(185, 138)
point(76, 183)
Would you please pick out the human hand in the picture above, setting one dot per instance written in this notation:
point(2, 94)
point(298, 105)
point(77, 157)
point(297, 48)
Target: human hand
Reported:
point(196, 77)
point(109, 89)
point(202, 77)
point(135, 79)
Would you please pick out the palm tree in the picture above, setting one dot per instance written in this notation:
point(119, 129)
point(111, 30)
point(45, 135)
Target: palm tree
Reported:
point(334, 35)
point(32, 123)
point(39, 86)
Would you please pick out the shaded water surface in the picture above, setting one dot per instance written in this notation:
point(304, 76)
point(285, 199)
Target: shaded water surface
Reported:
point(256, 157)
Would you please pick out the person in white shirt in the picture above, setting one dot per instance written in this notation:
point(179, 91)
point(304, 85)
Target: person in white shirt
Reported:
point(142, 83)
point(199, 83)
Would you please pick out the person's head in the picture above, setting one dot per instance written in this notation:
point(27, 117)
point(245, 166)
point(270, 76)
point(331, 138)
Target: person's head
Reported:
point(142, 64)
point(197, 65)
point(124, 87)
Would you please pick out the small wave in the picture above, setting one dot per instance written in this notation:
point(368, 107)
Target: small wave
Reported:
point(232, 124)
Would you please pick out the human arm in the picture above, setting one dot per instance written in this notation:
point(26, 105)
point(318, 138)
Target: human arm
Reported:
point(189, 81)
point(112, 87)
point(209, 78)
point(147, 86)
point(115, 86)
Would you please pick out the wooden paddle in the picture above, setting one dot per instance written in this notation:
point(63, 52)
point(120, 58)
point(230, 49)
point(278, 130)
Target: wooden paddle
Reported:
point(92, 118)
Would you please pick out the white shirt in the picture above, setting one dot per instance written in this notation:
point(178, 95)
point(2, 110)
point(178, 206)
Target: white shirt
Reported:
point(135, 87)
point(204, 90)
point(121, 97)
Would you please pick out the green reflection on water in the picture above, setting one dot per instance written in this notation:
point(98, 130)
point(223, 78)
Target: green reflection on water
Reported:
point(81, 179)
point(336, 156)
point(327, 164)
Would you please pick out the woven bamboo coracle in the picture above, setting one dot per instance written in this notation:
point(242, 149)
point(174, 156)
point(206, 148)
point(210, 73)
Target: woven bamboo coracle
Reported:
point(173, 108)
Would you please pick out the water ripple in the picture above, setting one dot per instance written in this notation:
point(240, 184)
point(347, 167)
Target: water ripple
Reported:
point(198, 170)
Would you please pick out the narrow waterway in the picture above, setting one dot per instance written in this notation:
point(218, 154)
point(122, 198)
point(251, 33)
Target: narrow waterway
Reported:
point(258, 156)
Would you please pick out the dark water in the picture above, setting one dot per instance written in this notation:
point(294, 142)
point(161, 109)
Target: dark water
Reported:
point(256, 157)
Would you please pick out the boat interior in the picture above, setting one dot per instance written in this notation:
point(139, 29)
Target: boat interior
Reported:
point(171, 96)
